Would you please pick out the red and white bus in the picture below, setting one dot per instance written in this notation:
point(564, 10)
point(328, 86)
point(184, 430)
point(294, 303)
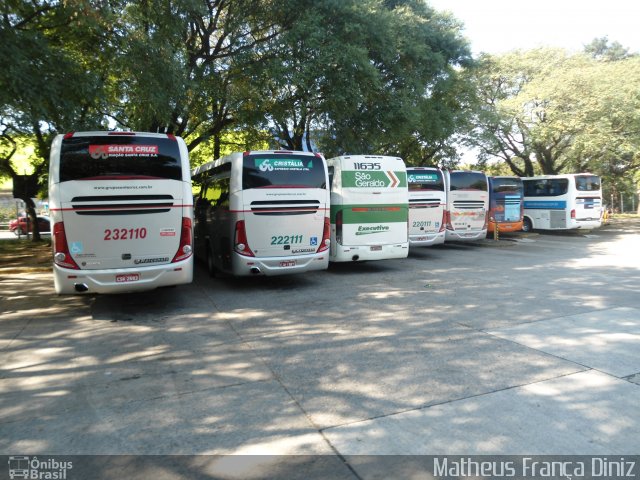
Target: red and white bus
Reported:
point(467, 205)
point(121, 211)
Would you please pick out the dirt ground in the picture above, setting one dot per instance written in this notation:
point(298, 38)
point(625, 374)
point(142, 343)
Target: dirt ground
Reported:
point(23, 253)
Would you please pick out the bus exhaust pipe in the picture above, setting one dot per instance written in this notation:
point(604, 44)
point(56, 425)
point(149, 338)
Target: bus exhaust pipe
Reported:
point(255, 270)
point(355, 258)
point(81, 287)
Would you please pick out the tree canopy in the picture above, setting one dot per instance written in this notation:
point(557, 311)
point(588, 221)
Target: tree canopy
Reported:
point(341, 76)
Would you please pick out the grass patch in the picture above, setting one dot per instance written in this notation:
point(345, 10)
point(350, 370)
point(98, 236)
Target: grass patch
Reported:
point(19, 253)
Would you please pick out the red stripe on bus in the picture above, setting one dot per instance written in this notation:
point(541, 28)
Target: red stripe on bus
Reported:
point(115, 207)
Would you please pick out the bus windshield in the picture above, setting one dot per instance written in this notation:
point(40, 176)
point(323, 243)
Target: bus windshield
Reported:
point(283, 171)
point(119, 157)
point(468, 181)
point(423, 180)
point(587, 183)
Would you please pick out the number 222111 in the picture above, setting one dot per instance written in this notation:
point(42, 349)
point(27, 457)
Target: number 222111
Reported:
point(125, 233)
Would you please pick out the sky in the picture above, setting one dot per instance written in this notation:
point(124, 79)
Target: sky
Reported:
point(498, 26)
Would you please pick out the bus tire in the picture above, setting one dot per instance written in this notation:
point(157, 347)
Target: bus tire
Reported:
point(526, 225)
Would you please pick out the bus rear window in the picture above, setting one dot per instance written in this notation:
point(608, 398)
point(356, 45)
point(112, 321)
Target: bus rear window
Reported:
point(506, 185)
point(587, 183)
point(468, 181)
point(283, 171)
point(115, 157)
point(420, 180)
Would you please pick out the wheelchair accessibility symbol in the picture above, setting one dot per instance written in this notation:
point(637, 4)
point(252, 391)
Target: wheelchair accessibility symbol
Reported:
point(76, 247)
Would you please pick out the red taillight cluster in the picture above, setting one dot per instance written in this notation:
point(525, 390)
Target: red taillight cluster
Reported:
point(185, 250)
point(444, 220)
point(447, 220)
point(326, 236)
point(573, 214)
point(61, 254)
point(241, 243)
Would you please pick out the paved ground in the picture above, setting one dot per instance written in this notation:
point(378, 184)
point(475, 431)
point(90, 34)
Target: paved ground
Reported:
point(527, 346)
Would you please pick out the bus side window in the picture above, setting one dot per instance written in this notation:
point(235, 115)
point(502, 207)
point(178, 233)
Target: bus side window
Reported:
point(224, 186)
point(331, 171)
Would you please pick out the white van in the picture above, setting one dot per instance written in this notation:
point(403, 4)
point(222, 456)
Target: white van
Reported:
point(369, 208)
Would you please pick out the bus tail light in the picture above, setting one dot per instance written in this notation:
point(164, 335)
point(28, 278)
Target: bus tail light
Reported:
point(339, 227)
point(486, 221)
point(61, 254)
point(443, 222)
point(573, 214)
point(447, 220)
point(186, 244)
point(240, 241)
point(326, 236)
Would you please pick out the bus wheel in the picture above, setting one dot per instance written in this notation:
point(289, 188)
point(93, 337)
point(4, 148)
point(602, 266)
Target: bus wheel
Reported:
point(526, 225)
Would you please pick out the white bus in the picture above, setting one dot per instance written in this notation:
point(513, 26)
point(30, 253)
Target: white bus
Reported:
point(562, 202)
point(467, 205)
point(121, 212)
point(369, 208)
point(262, 213)
point(427, 202)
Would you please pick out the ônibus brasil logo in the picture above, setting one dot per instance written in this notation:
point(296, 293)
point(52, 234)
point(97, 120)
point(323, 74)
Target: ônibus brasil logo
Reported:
point(21, 466)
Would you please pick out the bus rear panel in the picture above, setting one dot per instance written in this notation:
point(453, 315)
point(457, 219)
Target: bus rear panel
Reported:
point(505, 204)
point(369, 208)
point(121, 212)
point(427, 202)
point(467, 205)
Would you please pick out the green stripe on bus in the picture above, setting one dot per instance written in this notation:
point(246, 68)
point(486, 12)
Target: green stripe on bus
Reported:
point(371, 213)
point(373, 179)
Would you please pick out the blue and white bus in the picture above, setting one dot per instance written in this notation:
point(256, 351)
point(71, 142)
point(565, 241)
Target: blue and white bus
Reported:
point(562, 202)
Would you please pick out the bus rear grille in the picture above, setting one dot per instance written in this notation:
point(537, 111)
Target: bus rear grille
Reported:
point(468, 204)
point(284, 207)
point(424, 203)
point(122, 204)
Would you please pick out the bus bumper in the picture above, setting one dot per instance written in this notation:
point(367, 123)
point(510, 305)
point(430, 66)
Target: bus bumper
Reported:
point(426, 239)
point(465, 236)
point(270, 266)
point(360, 253)
point(69, 281)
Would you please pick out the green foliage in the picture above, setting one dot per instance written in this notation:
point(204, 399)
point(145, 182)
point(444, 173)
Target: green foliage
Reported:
point(544, 111)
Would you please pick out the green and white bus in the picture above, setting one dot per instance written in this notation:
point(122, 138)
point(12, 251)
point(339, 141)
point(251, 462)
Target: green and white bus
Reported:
point(369, 208)
point(262, 213)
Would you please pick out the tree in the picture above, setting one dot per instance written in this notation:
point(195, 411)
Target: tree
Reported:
point(376, 78)
point(44, 83)
point(544, 111)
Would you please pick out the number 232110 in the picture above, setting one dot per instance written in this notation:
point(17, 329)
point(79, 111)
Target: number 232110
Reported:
point(125, 233)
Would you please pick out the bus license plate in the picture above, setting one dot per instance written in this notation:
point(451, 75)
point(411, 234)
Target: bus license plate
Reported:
point(288, 263)
point(129, 277)
point(376, 248)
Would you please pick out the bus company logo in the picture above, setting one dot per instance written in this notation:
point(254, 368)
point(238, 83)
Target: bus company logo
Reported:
point(139, 261)
point(33, 468)
point(362, 230)
point(422, 177)
point(106, 151)
point(271, 164)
